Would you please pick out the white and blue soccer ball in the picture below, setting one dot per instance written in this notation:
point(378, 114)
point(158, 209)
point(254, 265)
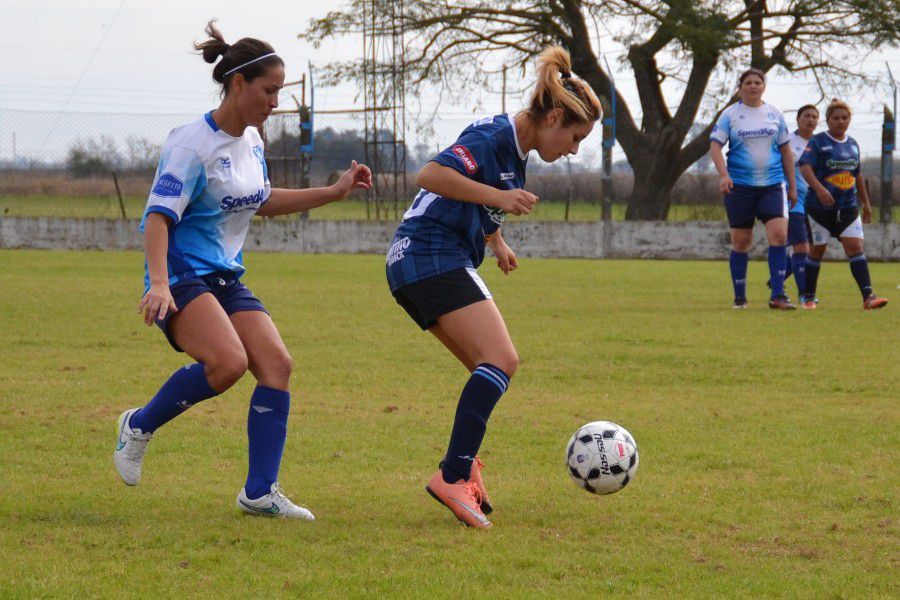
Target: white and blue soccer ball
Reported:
point(602, 457)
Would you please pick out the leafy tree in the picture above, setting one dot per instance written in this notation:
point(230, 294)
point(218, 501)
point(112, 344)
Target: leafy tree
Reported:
point(701, 44)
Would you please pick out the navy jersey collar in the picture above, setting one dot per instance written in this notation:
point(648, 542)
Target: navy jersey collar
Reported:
point(512, 123)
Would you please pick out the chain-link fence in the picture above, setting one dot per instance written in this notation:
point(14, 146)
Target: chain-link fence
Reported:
point(101, 165)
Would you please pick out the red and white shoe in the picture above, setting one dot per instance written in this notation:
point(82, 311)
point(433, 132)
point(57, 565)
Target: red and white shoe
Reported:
point(873, 302)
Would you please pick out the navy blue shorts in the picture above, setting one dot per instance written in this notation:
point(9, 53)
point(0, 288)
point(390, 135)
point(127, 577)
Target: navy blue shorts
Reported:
point(744, 204)
point(426, 300)
point(798, 229)
point(233, 295)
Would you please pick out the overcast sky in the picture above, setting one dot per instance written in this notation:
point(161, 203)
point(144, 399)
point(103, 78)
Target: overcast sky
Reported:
point(134, 57)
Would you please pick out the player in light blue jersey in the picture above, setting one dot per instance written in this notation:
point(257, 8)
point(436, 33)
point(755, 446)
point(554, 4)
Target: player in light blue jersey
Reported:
point(798, 227)
point(831, 166)
point(210, 182)
point(753, 182)
point(467, 190)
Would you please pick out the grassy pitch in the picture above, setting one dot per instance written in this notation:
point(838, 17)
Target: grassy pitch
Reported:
point(768, 441)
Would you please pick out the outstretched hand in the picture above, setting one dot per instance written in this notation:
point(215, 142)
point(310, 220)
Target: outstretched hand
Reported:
point(358, 176)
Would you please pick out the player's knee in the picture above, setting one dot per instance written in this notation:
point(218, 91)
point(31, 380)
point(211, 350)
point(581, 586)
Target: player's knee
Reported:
point(282, 365)
point(227, 369)
point(508, 362)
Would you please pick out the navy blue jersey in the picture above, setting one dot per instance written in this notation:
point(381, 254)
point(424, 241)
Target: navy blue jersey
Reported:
point(836, 165)
point(441, 234)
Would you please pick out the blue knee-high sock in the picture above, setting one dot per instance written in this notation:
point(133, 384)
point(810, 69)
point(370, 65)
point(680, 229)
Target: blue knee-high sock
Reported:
point(788, 266)
point(812, 276)
point(186, 387)
point(478, 399)
point(859, 266)
point(738, 263)
point(798, 266)
point(777, 268)
point(266, 432)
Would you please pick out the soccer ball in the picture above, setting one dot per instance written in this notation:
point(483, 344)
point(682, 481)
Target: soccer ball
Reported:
point(602, 457)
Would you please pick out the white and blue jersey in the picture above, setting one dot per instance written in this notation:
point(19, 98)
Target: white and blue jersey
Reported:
point(754, 136)
point(210, 184)
point(836, 165)
point(798, 145)
point(440, 234)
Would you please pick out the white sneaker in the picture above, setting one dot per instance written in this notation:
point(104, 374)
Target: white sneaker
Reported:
point(130, 447)
point(273, 504)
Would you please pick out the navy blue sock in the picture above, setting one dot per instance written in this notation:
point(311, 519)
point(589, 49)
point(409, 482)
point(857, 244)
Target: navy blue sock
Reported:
point(798, 266)
point(777, 269)
point(812, 276)
point(186, 387)
point(789, 267)
point(266, 432)
point(478, 399)
point(859, 266)
point(738, 263)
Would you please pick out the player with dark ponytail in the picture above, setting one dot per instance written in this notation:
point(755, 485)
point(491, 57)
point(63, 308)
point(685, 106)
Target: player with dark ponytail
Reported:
point(210, 182)
point(467, 190)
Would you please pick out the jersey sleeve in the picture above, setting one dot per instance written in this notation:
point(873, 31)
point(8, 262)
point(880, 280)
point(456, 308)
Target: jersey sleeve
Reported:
point(722, 129)
point(259, 150)
point(784, 134)
point(180, 177)
point(858, 168)
point(473, 156)
point(810, 154)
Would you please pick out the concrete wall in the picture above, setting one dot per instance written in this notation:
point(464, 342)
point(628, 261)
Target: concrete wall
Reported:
point(644, 239)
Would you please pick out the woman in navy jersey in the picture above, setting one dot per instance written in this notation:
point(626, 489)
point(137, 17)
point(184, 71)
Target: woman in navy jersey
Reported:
point(831, 166)
point(210, 182)
point(753, 182)
point(466, 192)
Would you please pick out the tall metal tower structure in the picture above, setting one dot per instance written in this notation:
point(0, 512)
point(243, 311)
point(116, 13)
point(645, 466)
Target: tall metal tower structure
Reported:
point(384, 83)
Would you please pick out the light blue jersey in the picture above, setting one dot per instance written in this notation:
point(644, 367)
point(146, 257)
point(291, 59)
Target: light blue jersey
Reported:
point(754, 136)
point(210, 184)
point(798, 145)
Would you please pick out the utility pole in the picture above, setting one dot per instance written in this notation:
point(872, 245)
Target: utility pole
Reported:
point(888, 143)
point(609, 140)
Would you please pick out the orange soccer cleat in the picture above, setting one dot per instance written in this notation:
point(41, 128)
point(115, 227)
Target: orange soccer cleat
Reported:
point(477, 466)
point(873, 302)
point(463, 498)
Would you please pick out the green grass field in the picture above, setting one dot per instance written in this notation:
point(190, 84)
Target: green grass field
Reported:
point(768, 441)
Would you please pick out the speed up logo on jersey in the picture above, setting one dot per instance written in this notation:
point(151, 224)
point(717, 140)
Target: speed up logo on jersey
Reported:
point(168, 186)
point(843, 180)
point(465, 157)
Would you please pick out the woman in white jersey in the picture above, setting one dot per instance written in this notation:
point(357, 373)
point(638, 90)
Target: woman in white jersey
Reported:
point(210, 182)
point(759, 162)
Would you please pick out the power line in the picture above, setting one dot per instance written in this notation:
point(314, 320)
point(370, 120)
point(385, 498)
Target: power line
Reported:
point(81, 76)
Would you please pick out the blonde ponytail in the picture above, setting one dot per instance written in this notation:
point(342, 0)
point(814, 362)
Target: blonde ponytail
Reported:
point(556, 87)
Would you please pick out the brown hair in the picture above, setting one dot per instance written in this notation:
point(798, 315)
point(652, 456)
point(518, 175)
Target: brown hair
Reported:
point(557, 88)
point(837, 105)
point(242, 51)
point(751, 71)
point(805, 108)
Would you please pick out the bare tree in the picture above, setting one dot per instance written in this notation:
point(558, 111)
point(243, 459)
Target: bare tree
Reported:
point(699, 43)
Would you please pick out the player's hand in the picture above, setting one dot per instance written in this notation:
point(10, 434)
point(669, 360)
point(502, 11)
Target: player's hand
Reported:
point(516, 202)
point(825, 196)
point(726, 185)
point(358, 176)
point(506, 258)
point(157, 303)
point(792, 197)
point(866, 213)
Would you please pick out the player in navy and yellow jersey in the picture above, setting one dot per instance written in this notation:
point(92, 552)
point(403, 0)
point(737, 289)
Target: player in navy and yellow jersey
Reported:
point(210, 182)
point(831, 166)
point(431, 265)
point(753, 182)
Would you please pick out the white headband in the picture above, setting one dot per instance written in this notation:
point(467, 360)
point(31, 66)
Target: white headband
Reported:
point(249, 62)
